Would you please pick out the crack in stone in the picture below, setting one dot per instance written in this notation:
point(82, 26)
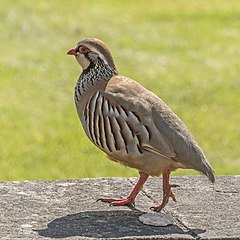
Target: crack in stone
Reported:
point(225, 191)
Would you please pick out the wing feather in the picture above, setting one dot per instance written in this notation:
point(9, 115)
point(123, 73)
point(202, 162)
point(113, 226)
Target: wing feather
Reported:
point(170, 138)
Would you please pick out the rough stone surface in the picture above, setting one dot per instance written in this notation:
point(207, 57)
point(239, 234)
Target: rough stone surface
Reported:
point(68, 209)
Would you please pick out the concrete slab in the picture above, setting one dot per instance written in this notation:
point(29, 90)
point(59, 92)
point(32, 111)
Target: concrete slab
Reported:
point(67, 209)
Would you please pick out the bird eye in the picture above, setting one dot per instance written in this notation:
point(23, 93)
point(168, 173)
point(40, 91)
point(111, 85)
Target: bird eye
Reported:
point(83, 49)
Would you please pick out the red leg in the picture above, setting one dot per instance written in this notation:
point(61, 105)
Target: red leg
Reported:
point(130, 199)
point(167, 192)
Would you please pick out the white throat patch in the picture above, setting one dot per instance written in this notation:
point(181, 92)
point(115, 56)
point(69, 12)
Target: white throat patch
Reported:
point(84, 62)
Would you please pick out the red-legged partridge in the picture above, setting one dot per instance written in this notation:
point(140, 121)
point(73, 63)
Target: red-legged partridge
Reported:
point(130, 124)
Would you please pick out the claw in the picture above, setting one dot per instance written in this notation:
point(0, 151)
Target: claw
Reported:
point(117, 202)
point(108, 200)
point(156, 208)
point(153, 208)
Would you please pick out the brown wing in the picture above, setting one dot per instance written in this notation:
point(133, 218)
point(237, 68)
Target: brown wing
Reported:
point(130, 96)
point(169, 135)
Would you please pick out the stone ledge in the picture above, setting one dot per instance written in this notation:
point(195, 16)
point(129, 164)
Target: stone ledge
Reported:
point(67, 209)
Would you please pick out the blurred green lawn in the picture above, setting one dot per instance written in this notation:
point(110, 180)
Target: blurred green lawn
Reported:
point(187, 52)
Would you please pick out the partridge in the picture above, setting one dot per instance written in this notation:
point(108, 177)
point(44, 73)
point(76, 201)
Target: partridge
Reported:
point(130, 124)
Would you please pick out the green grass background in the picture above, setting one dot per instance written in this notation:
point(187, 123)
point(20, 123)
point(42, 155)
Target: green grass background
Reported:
point(187, 52)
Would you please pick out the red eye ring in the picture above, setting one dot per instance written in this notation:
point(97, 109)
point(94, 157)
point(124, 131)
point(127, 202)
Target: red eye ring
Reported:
point(83, 50)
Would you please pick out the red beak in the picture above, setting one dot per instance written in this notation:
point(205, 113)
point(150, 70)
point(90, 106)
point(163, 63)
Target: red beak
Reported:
point(72, 52)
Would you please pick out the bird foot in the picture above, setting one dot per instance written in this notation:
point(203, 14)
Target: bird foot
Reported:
point(117, 201)
point(166, 195)
point(130, 200)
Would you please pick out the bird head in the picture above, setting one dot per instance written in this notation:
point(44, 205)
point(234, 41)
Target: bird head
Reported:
point(91, 50)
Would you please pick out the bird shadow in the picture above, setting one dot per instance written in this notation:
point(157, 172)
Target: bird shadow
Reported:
point(106, 224)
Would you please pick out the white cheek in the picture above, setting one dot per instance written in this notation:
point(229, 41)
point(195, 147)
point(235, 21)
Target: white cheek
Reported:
point(82, 61)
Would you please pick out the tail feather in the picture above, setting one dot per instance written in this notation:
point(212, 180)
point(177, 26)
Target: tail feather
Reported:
point(208, 171)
